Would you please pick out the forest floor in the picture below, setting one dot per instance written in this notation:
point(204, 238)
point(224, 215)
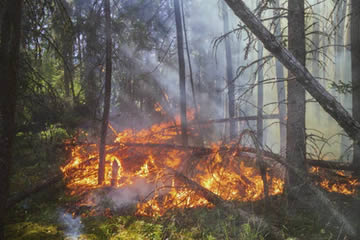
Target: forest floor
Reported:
point(48, 216)
point(53, 214)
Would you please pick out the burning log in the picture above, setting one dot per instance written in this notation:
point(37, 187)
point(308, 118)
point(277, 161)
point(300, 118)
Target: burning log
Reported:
point(218, 201)
point(331, 165)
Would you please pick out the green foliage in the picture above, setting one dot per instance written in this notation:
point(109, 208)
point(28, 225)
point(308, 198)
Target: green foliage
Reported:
point(122, 227)
point(55, 133)
point(248, 233)
point(32, 231)
point(342, 87)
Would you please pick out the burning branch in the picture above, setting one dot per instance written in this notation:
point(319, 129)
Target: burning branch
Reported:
point(219, 202)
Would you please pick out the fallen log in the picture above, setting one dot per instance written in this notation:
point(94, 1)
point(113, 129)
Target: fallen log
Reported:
point(203, 150)
point(18, 197)
point(331, 165)
point(219, 202)
point(35, 189)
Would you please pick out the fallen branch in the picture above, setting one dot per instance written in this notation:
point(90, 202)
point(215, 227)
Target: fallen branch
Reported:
point(243, 118)
point(330, 164)
point(35, 189)
point(219, 202)
point(236, 119)
point(18, 197)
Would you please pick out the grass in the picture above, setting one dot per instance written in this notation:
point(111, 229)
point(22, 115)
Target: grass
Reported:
point(44, 222)
point(39, 217)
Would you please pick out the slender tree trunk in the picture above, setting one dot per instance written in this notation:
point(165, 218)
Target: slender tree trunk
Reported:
point(280, 85)
point(67, 51)
point(315, 69)
point(197, 113)
point(9, 69)
point(229, 75)
point(339, 49)
point(342, 60)
point(295, 144)
point(355, 63)
point(260, 122)
point(180, 44)
point(260, 97)
point(345, 141)
point(108, 72)
point(90, 62)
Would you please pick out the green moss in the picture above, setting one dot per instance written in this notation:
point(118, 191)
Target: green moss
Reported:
point(32, 231)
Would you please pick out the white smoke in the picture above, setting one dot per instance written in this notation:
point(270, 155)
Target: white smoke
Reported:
point(131, 194)
point(73, 225)
point(123, 197)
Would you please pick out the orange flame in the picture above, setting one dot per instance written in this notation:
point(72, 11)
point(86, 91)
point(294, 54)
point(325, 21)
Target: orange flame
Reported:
point(221, 172)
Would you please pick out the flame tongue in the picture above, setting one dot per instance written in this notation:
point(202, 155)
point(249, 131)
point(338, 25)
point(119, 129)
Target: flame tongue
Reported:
point(131, 157)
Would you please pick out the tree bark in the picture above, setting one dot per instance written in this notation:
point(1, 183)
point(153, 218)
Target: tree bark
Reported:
point(90, 61)
point(260, 121)
point(303, 76)
point(229, 75)
point(67, 50)
point(280, 85)
point(9, 71)
point(105, 119)
point(315, 68)
point(355, 63)
point(180, 46)
point(295, 140)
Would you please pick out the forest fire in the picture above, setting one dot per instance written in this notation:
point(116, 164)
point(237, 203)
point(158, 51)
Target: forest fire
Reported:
point(343, 184)
point(151, 157)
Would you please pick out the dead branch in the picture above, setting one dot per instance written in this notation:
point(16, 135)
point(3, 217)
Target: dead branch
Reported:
point(240, 150)
point(35, 189)
point(244, 118)
point(331, 165)
point(219, 202)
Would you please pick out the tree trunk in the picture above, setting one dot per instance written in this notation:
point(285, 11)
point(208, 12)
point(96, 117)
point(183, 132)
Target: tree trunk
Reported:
point(355, 63)
point(315, 69)
point(280, 85)
point(295, 142)
point(67, 52)
point(90, 61)
point(229, 75)
point(180, 44)
point(260, 98)
point(108, 71)
point(260, 122)
point(303, 76)
point(9, 67)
